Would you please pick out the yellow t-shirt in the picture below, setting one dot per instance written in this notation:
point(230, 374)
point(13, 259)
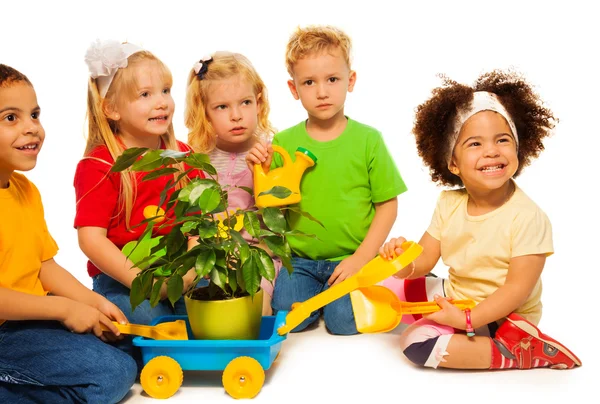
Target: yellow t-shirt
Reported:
point(24, 239)
point(478, 249)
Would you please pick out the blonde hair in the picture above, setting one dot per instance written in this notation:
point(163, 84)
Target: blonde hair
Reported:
point(103, 131)
point(224, 65)
point(316, 39)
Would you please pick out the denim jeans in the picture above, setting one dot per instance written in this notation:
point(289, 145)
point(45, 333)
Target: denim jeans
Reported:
point(309, 279)
point(118, 294)
point(42, 362)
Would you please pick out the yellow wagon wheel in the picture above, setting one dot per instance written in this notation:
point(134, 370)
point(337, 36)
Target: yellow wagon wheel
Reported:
point(243, 377)
point(161, 377)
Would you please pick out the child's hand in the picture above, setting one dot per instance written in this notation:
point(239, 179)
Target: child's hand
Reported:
point(111, 311)
point(392, 248)
point(262, 154)
point(345, 269)
point(449, 315)
point(81, 318)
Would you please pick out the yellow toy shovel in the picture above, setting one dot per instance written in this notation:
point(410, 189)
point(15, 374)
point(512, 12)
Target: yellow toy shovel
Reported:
point(175, 330)
point(375, 271)
point(378, 309)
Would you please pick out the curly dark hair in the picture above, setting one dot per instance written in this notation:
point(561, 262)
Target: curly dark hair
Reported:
point(9, 76)
point(435, 119)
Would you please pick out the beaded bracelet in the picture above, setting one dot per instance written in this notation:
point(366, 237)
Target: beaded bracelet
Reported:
point(470, 331)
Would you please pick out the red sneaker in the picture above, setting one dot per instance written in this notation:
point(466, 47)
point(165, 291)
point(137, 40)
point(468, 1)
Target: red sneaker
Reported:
point(531, 348)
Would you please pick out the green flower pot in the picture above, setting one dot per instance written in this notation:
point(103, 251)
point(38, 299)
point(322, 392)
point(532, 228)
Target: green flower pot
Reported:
point(225, 319)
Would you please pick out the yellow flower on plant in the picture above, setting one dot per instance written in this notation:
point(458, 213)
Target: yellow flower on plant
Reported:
point(224, 229)
point(154, 211)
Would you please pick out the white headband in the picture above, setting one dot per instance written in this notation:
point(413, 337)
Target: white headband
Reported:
point(482, 101)
point(105, 58)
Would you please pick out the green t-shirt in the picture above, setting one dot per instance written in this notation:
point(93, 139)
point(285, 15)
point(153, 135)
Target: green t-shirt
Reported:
point(352, 173)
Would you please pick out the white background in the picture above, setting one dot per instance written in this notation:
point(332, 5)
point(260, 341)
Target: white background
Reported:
point(397, 54)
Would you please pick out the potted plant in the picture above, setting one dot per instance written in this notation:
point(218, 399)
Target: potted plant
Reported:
point(233, 267)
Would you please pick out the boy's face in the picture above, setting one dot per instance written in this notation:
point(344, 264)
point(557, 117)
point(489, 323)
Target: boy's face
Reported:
point(21, 133)
point(321, 82)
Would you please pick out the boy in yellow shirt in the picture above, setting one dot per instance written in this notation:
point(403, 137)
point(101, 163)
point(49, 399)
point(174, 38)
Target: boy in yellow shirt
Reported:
point(50, 324)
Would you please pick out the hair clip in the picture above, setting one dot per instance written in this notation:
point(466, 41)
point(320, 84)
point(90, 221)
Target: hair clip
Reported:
point(201, 67)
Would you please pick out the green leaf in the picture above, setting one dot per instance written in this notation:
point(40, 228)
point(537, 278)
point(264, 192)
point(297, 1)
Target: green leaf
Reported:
point(136, 296)
point(147, 278)
point(181, 208)
point(279, 247)
point(251, 274)
point(207, 229)
point(128, 157)
point(159, 173)
point(163, 193)
point(155, 295)
point(274, 219)
point(209, 200)
point(205, 262)
point(305, 214)
point(149, 162)
point(201, 161)
point(265, 233)
point(176, 155)
point(219, 277)
point(249, 190)
point(183, 174)
point(162, 272)
point(298, 233)
point(238, 238)
point(251, 223)
point(233, 283)
point(188, 226)
point(194, 189)
point(277, 192)
point(266, 268)
point(175, 288)
point(239, 276)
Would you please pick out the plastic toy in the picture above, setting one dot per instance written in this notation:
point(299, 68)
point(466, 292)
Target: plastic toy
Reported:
point(243, 361)
point(378, 309)
point(175, 330)
point(288, 176)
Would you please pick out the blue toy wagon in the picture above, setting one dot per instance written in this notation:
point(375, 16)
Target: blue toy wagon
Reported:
point(243, 361)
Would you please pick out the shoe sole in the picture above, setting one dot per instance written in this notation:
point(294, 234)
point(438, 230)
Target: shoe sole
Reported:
point(532, 330)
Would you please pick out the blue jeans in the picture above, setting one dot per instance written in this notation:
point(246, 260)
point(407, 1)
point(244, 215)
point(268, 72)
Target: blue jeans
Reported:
point(118, 294)
point(42, 362)
point(309, 279)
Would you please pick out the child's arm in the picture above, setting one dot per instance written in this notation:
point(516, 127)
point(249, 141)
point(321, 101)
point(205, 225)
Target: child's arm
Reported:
point(106, 255)
point(59, 282)
point(77, 316)
point(385, 215)
point(523, 273)
point(422, 265)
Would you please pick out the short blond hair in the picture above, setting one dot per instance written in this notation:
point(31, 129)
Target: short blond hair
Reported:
point(315, 39)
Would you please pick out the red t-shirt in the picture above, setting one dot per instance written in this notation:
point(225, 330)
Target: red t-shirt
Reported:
point(98, 192)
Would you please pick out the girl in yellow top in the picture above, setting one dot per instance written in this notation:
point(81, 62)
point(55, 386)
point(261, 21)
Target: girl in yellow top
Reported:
point(490, 234)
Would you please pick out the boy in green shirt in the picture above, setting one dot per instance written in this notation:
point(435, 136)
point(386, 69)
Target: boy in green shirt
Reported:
point(352, 189)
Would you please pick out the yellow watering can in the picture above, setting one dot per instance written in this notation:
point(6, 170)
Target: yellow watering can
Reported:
point(288, 176)
point(376, 308)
